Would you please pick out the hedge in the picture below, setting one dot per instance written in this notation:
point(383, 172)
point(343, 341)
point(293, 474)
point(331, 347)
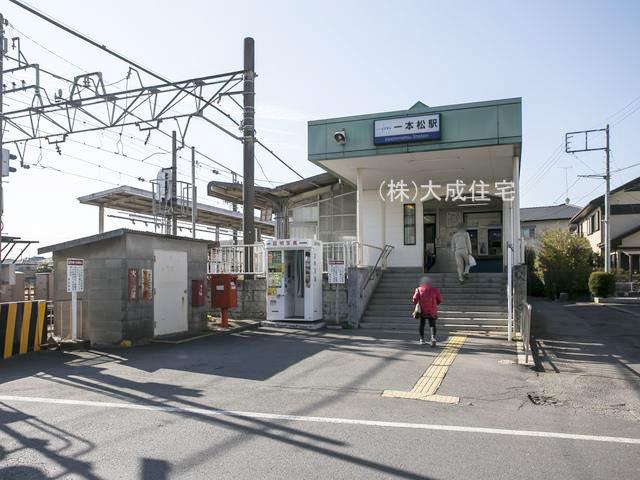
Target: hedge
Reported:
point(602, 284)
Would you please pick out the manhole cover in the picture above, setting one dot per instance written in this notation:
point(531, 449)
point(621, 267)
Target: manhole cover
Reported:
point(538, 399)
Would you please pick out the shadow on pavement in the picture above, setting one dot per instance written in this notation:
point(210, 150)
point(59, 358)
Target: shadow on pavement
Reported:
point(217, 356)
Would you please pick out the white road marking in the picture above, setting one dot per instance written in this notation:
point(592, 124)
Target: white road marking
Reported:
point(212, 412)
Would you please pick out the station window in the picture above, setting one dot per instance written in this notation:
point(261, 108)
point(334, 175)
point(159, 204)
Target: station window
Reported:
point(409, 222)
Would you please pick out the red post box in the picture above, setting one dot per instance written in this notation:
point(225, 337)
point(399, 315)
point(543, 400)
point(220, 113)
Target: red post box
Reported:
point(224, 294)
point(198, 298)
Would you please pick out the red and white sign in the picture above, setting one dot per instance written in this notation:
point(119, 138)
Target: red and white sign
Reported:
point(75, 275)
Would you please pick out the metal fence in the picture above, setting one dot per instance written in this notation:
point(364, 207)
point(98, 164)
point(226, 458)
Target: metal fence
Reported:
point(59, 319)
point(232, 258)
point(342, 251)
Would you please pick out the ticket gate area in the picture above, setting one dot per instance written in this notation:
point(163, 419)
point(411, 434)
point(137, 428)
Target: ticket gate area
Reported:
point(294, 280)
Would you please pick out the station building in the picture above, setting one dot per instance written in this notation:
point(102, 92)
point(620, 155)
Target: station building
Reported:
point(420, 173)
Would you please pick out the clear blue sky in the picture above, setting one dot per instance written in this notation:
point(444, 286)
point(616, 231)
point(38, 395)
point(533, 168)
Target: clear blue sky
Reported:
point(575, 64)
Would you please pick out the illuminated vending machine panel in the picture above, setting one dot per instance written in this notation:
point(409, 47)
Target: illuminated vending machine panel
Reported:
point(294, 280)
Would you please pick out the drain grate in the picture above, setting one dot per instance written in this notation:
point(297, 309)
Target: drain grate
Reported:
point(538, 399)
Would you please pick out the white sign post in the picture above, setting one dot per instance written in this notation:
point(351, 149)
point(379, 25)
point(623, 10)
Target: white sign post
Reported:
point(337, 276)
point(75, 284)
point(336, 271)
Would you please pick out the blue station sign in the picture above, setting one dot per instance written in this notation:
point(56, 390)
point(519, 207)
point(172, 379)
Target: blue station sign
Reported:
point(407, 129)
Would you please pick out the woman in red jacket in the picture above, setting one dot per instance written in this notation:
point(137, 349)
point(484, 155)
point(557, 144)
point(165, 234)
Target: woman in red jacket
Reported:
point(429, 298)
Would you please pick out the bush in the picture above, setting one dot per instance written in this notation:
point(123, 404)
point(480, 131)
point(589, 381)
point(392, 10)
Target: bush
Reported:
point(602, 284)
point(535, 286)
point(565, 261)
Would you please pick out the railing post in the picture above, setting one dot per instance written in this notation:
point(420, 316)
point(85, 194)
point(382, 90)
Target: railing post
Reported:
point(509, 292)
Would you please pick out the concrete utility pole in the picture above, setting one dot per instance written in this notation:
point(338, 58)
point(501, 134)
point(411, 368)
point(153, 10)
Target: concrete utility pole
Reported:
point(248, 139)
point(607, 230)
point(583, 136)
point(194, 193)
point(174, 184)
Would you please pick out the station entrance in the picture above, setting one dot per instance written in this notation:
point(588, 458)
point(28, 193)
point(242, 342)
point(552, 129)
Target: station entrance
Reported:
point(484, 223)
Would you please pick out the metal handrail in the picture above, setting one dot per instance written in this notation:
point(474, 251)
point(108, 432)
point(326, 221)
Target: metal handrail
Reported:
point(509, 292)
point(384, 254)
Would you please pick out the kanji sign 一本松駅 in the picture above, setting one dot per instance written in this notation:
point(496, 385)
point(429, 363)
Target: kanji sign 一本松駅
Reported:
point(75, 275)
point(406, 129)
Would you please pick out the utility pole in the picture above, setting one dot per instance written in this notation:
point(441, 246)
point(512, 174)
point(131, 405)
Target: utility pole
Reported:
point(174, 184)
point(194, 193)
point(2, 52)
point(248, 139)
point(607, 230)
point(582, 136)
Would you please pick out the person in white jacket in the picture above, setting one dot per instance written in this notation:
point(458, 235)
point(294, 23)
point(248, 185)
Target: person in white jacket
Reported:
point(461, 245)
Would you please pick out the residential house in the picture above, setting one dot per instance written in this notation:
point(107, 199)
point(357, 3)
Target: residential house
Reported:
point(535, 221)
point(624, 225)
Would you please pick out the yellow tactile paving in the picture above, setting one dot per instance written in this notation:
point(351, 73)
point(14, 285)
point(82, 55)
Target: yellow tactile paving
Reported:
point(427, 385)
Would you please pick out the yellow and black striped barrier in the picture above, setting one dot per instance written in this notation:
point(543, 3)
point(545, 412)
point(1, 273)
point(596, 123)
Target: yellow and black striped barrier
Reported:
point(21, 327)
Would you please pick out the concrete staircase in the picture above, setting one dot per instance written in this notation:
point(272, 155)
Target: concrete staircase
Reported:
point(478, 305)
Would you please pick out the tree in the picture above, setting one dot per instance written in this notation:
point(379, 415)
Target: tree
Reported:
point(566, 261)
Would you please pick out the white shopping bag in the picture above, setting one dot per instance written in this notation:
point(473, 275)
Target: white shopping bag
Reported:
point(472, 261)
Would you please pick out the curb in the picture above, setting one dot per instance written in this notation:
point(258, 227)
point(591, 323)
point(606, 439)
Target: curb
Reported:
point(240, 328)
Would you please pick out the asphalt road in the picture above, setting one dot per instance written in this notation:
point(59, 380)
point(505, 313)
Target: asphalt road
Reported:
point(284, 404)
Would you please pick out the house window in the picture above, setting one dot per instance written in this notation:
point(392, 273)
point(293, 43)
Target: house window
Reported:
point(528, 232)
point(409, 222)
point(594, 222)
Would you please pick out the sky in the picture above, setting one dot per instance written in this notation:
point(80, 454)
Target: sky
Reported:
point(574, 63)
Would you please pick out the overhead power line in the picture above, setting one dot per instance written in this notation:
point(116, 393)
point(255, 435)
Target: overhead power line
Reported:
point(146, 70)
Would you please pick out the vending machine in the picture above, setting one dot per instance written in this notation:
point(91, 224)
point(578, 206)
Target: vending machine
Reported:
point(294, 280)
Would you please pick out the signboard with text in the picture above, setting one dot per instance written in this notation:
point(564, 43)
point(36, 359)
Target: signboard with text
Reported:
point(75, 275)
point(336, 271)
point(407, 129)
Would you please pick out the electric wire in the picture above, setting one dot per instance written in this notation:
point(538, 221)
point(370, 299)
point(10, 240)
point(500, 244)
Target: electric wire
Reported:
point(121, 57)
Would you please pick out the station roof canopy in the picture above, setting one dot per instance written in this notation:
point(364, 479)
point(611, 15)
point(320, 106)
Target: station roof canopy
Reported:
point(232, 192)
point(468, 141)
point(137, 200)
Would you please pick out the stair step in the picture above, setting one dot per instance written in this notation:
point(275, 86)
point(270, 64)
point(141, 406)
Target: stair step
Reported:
point(451, 296)
point(466, 288)
point(448, 327)
point(398, 312)
point(368, 316)
point(445, 307)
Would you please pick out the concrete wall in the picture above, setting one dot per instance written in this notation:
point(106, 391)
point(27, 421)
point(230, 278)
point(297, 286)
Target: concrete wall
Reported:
point(335, 314)
point(252, 300)
point(107, 315)
point(383, 224)
point(359, 295)
point(105, 291)
point(352, 298)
